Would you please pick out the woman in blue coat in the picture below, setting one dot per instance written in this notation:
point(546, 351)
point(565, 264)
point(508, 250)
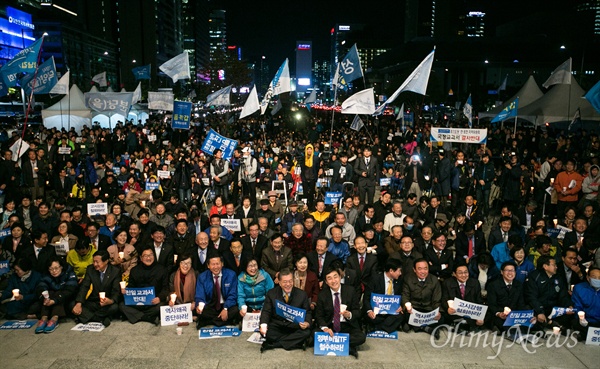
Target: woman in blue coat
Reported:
point(26, 281)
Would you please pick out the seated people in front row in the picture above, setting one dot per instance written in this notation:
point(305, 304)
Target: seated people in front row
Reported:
point(101, 276)
point(387, 283)
point(585, 298)
point(216, 294)
point(279, 332)
point(182, 282)
point(24, 279)
point(465, 288)
point(505, 292)
point(328, 314)
point(253, 285)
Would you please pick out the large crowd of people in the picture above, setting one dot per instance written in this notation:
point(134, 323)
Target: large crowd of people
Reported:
point(511, 224)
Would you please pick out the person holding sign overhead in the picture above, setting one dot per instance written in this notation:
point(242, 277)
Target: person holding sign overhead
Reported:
point(387, 283)
point(147, 274)
point(279, 331)
point(462, 287)
point(338, 310)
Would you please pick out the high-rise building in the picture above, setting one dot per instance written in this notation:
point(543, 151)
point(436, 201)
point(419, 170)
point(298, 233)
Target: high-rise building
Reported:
point(590, 9)
point(474, 24)
point(217, 32)
point(367, 54)
point(195, 35)
point(304, 78)
point(341, 41)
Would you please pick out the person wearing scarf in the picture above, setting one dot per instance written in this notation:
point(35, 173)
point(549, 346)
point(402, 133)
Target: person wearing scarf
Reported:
point(182, 282)
point(310, 171)
point(147, 274)
point(306, 279)
point(253, 285)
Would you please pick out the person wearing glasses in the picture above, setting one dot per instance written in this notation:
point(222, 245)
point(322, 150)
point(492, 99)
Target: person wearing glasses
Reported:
point(465, 288)
point(502, 293)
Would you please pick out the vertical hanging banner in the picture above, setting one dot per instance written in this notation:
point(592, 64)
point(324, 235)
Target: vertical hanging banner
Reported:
point(182, 111)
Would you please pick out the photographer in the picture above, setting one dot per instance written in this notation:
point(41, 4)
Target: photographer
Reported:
point(342, 172)
point(182, 179)
point(415, 176)
point(511, 175)
point(247, 174)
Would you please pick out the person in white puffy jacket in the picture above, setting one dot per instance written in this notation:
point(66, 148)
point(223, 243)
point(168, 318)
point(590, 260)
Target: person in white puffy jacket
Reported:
point(590, 184)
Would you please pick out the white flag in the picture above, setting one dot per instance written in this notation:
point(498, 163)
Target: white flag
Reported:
point(100, 79)
point(137, 94)
point(503, 84)
point(62, 86)
point(561, 75)
point(277, 107)
point(178, 67)
point(219, 98)
point(357, 123)
point(251, 104)
point(160, 100)
point(20, 146)
point(312, 97)
point(400, 116)
point(416, 81)
point(362, 102)
point(282, 82)
point(468, 111)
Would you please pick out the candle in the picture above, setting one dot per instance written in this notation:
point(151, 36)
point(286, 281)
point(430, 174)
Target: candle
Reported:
point(581, 315)
point(45, 294)
point(263, 327)
point(555, 221)
point(531, 189)
point(551, 181)
point(123, 284)
point(121, 254)
point(173, 297)
point(556, 330)
point(507, 310)
point(201, 306)
point(102, 295)
point(408, 306)
point(179, 331)
point(175, 258)
point(572, 286)
point(451, 303)
point(376, 310)
point(343, 308)
point(244, 309)
point(15, 292)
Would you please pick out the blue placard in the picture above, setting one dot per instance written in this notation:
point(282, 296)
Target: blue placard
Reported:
point(182, 111)
point(5, 233)
point(333, 197)
point(150, 186)
point(139, 296)
point(218, 332)
point(18, 324)
point(385, 181)
point(290, 313)
point(387, 304)
point(384, 335)
point(553, 232)
point(215, 141)
point(338, 345)
point(521, 317)
point(4, 267)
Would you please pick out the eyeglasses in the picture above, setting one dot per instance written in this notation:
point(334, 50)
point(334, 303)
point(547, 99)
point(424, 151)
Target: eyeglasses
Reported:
point(187, 263)
point(146, 256)
point(54, 269)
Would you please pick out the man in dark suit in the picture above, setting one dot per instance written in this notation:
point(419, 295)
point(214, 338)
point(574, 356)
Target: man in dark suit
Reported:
point(163, 250)
point(504, 292)
point(276, 257)
point(528, 214)
point(254, 242)
point(39, 252)
point(575, 239)
point(570, 270)
point(471, 210)
point(439, 258)
point(423, 242)
point(280, 332)
point(231, 214)
point(236, 258)
point(200, 254)
point(387, 283)
point(424, 293)
point(183, 238)
point(502, 233)
point(367, 170)
point(363, 220)
point(468, 243)
point(217, 242)
point(462, 287)
point(364, 263)
point(101, 276)
point(100, 241)
point(63, 185)
point(34, 174)
point(329, 316)
point(320, 259)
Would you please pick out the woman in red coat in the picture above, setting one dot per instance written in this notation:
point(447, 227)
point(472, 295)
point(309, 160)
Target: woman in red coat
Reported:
point(305, 279)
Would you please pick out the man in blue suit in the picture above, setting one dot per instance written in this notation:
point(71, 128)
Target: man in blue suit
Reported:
point(216, 295)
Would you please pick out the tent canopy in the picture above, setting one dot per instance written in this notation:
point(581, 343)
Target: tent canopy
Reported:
point(529, 93)
point(69, 112)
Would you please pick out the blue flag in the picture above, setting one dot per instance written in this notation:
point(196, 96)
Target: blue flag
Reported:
point(3, 87)
point(593, 96)
point(350, 68)
point(44, 81)
point(25, 61)
point(468, 111)
point(508, 112)
point(142, 72)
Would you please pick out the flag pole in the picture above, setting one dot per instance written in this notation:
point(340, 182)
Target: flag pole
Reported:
point(333, 113)
point(515, 131)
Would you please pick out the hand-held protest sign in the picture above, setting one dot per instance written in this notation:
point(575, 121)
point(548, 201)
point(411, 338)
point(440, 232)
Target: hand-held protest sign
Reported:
point(251, 322)
point(232, 224)
point(97, 208)
point(419, 319)
point(469, 310)
point(139, 296)
point(171, 315)
point(338, 345)
point(519, 317)
point(333, 197)
point(387, 304)
point(290, 313)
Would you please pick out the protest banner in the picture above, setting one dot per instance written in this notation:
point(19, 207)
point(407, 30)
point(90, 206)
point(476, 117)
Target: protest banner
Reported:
point(182, 113)
point(150, 186)
point(420, 319)
point(89, 327)
point(387, 304)
point(151, 138)
point(171, 315)
point(4, 267)
point(160, 100)
point(61, 248)
point(520, 317)
point(333, 197)
point(139, 296)
point(338, 345)
point(464, 135)
point(5, 233)
point(64, 150)
point(218, 332)
point(383, 335)
point(559, 311)
point(233, 225)
point(18, 324)
point(215, 141)
point(256, 338)
point(385, 181)
point(251, 322)
point(290, 313)
point(469, 310)
point(593, 336)
point(163, 173)
point(113, 102)
point(97, 208)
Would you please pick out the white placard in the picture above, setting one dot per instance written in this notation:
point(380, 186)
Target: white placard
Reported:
point(256, 338)
point(64, 150)
point(151, 138)
point(232, 224)
point(593, 336)
point(469, 310)
point(61, 248)
point(97, 208)
point(251, 322)
point(89, 327)
point(163, 174)
point(419, 319)
point(171, 315)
